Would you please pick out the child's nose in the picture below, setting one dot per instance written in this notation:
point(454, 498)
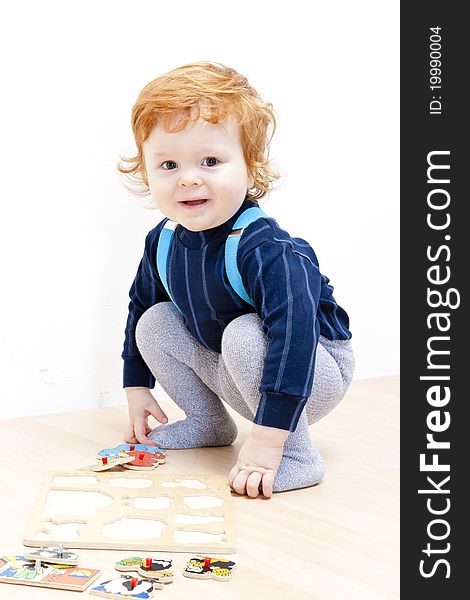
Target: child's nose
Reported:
point(189, 179)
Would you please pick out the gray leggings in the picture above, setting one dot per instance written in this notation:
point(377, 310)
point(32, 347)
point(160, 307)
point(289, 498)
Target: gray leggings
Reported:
point(184, 368)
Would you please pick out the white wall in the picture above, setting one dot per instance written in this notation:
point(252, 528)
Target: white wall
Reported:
point(72, 237)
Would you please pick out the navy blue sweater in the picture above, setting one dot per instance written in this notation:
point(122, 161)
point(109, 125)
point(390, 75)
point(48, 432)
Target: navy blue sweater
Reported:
point(280, 274)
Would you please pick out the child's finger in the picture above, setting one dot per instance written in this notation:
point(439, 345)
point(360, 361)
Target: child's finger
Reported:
point(252, 484)
point(139, 429)
point(130, 437)
point(267, 483)
point(233, 473)
point(239, 483)
point(158, 413)
point(143, 439)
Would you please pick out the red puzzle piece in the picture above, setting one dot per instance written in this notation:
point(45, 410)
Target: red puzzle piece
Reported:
point(142, 460)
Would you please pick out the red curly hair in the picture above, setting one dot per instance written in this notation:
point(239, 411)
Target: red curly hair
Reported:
point(209, 91)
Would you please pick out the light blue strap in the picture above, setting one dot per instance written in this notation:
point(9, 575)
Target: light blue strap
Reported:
point(249, 216)
point(163, 251)
point(231, 249)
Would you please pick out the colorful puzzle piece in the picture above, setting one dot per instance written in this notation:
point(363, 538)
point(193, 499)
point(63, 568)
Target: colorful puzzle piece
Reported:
point(145, 461)
point(109, 462)
point(126, 586)
point(159, 452)
point(53, 554)
point(20, 570)
point(159, 569)
point(205, 567)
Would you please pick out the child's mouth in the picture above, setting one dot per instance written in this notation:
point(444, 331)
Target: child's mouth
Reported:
point(194, 202)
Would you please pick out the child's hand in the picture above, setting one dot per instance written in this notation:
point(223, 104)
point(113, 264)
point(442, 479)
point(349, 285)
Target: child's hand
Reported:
point(258, 461)
point(141, 405)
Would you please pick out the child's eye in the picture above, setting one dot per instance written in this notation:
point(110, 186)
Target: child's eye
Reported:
point(211, 161)
point(172, 164)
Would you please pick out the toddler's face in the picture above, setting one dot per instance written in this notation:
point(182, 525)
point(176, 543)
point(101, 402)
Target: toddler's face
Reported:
point(198, 176)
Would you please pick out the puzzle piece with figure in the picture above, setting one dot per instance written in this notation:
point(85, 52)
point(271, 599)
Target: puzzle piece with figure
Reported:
point(109, 462)
point(53, 554)
point(151, 568)
point(127, 586)
point(142, 461)
point(159, 452)
point(206, 567)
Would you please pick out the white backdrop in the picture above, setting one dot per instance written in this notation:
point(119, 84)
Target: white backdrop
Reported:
point(72, 237)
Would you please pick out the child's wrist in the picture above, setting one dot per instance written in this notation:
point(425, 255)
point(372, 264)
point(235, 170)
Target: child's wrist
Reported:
point(271, 435)
point(132, 391)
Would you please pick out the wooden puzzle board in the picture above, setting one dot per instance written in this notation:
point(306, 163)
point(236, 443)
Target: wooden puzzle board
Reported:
point(130, 510)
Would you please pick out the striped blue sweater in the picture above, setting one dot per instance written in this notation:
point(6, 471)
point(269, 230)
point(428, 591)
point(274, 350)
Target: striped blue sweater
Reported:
point(280, 274)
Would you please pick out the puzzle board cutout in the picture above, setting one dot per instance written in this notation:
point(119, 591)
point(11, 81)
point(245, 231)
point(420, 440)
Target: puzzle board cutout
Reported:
point(175, 512)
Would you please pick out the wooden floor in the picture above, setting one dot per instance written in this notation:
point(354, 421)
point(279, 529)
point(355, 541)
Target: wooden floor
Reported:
point(336, 541)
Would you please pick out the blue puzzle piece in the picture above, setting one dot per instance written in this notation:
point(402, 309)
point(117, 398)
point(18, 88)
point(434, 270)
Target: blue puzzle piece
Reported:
point(127, 448)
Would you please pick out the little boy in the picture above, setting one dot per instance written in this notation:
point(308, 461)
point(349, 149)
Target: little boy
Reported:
point(226, 306)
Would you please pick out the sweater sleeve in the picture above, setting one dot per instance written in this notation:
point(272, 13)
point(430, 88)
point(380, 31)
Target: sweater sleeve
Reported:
point(284, 284)
point(146, 290)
